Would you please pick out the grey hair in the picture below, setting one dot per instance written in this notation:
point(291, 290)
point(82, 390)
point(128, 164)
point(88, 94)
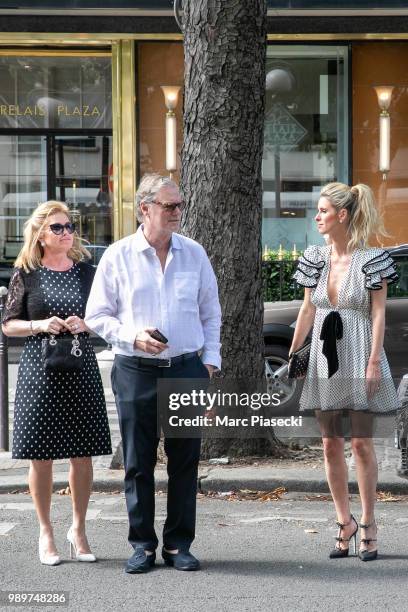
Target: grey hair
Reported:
point(149, 186)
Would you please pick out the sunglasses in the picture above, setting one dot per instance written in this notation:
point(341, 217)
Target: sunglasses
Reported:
point(58, 228)
point(171, 206)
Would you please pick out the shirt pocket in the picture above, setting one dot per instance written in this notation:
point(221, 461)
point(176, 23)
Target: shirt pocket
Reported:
point(186, 290)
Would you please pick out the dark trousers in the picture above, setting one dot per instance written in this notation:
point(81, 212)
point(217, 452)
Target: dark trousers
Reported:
point(135, 390)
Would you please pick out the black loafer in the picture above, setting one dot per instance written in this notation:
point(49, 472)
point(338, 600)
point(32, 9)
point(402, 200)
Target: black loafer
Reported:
point(183, 561)
point(139, 562)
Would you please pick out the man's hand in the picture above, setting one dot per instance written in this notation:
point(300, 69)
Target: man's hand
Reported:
point(210, 369)
point(144, 342)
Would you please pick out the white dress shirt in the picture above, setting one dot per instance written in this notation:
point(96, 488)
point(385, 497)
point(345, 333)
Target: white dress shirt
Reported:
point(131, 292)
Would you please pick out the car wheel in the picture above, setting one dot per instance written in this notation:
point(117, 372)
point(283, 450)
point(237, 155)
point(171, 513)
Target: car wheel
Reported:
point(289, 390)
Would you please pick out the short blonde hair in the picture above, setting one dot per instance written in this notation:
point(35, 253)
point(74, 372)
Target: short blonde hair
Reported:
point(364, 217)
point(32, 252)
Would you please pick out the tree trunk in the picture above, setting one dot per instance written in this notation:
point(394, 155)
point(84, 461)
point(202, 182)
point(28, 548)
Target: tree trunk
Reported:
point(225, 49)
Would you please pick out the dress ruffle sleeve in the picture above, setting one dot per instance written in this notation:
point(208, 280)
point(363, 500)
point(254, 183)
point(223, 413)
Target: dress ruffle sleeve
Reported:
point(15, 304)
point(380, 267)
point(309, 268)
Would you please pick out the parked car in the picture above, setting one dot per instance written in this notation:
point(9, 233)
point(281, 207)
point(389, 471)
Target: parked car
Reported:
point(278, 330)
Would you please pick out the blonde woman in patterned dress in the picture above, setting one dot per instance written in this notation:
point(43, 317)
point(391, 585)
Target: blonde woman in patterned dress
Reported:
point(345, 294)
point(58, 414)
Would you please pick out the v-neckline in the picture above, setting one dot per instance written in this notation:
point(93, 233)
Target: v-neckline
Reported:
point(343, 280)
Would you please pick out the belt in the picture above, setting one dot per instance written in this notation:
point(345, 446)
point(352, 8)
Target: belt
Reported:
point(164, 363)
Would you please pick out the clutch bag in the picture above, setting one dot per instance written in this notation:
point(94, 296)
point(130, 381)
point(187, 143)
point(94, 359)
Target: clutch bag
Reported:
point(298, 362)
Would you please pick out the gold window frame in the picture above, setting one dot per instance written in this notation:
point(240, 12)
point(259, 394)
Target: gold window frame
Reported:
point(122, 51)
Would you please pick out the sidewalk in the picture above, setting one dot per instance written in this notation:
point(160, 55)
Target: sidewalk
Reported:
point(219, 478)
point(13, 476)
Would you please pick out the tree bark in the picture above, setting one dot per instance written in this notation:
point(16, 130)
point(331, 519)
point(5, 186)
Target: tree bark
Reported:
point(221, 175)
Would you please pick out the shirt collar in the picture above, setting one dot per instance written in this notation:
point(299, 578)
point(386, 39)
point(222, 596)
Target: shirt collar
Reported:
point(142, 244)
point(140, 240)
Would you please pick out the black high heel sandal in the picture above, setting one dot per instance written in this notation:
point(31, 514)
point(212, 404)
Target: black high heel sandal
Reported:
point(367, 555)
point(338, 552)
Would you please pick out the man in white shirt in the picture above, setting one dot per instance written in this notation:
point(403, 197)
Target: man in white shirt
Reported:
point(156, 279)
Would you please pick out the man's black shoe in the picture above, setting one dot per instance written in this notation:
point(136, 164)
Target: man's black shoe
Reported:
point(181, 561)
point(139, 562)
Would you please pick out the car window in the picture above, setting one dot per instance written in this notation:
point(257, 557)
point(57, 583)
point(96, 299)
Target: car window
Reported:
point(400, 289)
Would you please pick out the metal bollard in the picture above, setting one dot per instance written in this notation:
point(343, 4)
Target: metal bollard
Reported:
point(4, 407)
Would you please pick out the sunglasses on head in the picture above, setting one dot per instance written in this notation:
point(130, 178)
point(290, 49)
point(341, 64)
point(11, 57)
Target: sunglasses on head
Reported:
point(58, 228)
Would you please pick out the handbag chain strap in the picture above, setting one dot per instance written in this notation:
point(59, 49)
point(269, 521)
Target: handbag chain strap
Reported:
point(75, 351)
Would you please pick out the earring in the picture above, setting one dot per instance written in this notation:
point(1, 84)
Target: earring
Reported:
point(42, 243)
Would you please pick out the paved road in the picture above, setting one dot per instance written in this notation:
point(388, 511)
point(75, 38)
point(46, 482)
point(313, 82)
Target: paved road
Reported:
point(254, 556)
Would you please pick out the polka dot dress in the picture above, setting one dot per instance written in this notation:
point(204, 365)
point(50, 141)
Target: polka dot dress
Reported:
point(346, 389)
point(59, 415)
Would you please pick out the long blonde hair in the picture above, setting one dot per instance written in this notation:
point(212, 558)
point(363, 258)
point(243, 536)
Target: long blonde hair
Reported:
point(32, 252)
point(364, 217)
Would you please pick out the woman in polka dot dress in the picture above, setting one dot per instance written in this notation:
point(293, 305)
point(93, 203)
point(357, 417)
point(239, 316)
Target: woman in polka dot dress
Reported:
point(58, 414)
point(348, 374)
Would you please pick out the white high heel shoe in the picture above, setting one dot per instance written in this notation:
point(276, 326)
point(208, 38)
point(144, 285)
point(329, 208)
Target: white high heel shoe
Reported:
point(45, 558)
point(86, 557)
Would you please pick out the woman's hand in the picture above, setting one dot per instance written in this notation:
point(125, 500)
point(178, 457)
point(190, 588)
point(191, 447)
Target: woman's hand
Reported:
point(53, 325)
point(290, 361)
point(76, 325)
point(373, 378)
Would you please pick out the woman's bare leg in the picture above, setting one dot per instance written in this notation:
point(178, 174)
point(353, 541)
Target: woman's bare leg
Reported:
point(40, 484)
point(367, 473)
point(336, 471)
point(80, 482)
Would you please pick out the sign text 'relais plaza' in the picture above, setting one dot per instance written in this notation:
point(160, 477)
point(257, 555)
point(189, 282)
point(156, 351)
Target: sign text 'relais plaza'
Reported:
point(39, 110)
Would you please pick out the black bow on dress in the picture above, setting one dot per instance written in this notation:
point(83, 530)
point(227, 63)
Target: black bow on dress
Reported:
point(332, 330)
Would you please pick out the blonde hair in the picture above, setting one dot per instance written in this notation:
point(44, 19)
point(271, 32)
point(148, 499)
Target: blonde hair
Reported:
point(364, 217)
point(32, 252)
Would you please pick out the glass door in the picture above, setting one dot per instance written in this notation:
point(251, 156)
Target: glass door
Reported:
point(82, 169)
point(76, 169)
point(23, 185)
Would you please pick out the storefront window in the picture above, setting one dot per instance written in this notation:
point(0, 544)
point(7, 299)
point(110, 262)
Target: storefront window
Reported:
point(306, 138)
point(55, 143)
point(55, 92)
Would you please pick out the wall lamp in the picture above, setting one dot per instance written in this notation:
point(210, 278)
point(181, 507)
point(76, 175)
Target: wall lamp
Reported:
point(384, 93)
point(171, 93)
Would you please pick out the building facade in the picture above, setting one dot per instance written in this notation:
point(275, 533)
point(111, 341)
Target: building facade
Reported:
point(82, 112)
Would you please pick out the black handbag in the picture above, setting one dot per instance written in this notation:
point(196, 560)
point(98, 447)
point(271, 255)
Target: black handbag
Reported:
point(298, 362)
point(64, 354)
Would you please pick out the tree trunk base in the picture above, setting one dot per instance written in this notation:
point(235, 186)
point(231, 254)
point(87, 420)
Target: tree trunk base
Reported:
point(238, 447)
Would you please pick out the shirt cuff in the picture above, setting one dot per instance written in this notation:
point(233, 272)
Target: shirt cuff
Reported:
point(211, 358)
point(127, 338)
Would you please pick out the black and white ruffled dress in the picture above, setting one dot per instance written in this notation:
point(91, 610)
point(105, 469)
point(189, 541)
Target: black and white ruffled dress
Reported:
point(346, 334)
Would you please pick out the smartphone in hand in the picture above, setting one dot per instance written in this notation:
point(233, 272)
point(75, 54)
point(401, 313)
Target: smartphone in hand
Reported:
point(157, 335)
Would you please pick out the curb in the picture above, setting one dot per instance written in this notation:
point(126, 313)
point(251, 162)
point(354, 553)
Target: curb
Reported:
point(107, 481)
point(292, 484)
